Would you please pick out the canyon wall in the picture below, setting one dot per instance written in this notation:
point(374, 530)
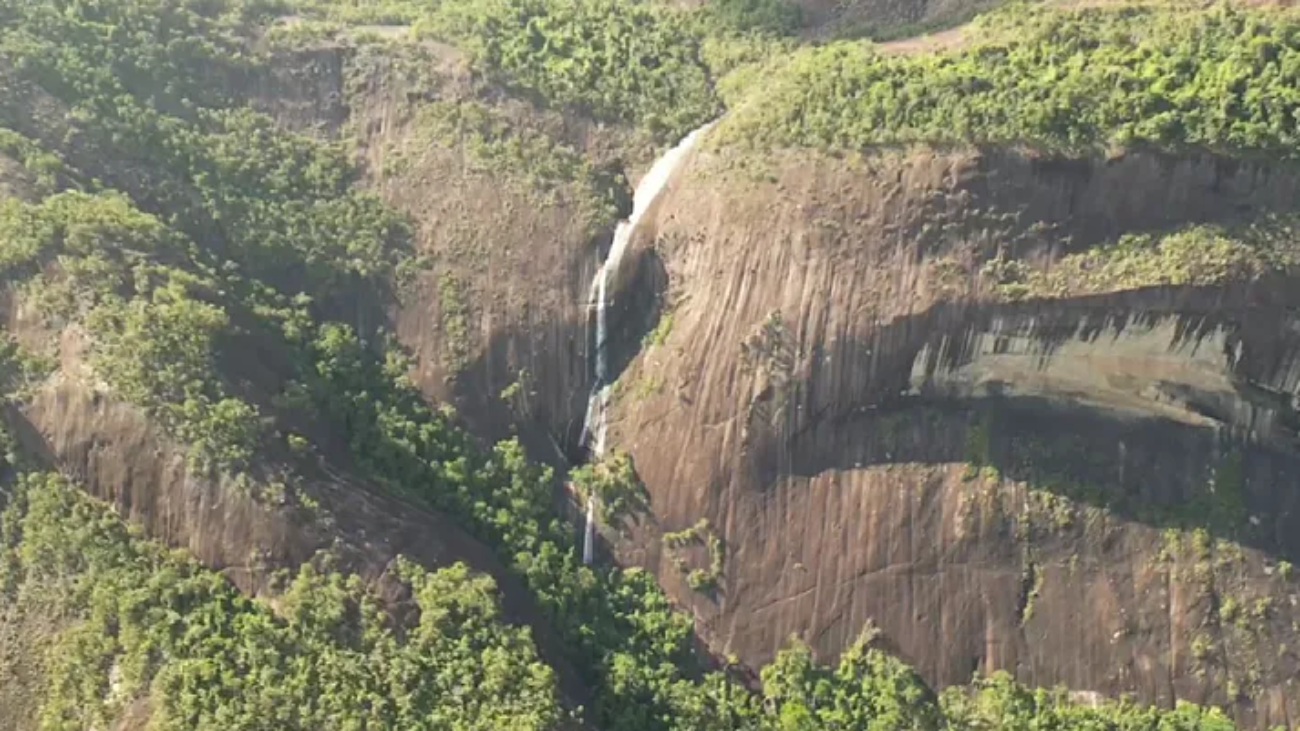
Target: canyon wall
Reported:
point(1069, 489)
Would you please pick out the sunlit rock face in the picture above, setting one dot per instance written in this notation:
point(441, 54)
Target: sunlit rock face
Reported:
point(877, 435)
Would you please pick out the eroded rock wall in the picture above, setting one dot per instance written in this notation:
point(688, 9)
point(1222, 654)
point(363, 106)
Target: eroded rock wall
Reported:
point(250, 530)
point(874, 437)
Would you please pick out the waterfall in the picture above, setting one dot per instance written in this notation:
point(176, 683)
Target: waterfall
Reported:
point(589, 535)
point(647, 191)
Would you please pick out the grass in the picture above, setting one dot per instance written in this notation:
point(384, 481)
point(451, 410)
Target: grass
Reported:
point(1202, 255)
point(647, 386)
point(659, 335)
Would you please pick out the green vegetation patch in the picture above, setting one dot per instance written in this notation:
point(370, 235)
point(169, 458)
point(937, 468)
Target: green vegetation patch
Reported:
point(45, 167)
point(21, 370)
point(1051, 464)
point(94, 259)
point(614, 482)
point(138, 620)
point(500, 144)
point(650, 64)
point(699, 534)
point(868, 689)
point(225, 238)
point(1196, 256)
point(998, 702)
point(780, 17)
point(366, 12)
point(1224, 79)
point(455, 321)
point(619, 60)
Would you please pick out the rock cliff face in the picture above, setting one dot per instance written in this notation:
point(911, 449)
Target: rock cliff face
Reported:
point(1098, 491)
point(502, 298)
point(875, 437)
point(826, 364)
point(250, 529)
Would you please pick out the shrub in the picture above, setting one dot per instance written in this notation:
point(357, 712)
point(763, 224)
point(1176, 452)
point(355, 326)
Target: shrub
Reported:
point(137, 619)
point(632, 62)
point(1200, 255)
point(773, 16)
point(1223, 79)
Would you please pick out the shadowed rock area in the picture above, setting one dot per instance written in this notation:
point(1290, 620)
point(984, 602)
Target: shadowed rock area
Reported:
point(876, 438)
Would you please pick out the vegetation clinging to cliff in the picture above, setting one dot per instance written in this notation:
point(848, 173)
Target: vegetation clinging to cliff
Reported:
point(209, 658)
point(625, 61)
point(259, 239)
point(639, 63)
point(138, 621)
point(1205, 255)
point(1223, 79)
point(998, 702)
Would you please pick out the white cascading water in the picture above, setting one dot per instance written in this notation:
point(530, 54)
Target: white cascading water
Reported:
point(589, 536)
point(593, 428)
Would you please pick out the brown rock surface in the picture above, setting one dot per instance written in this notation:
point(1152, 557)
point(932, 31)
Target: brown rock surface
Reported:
point(833, 363)
point(246, 531)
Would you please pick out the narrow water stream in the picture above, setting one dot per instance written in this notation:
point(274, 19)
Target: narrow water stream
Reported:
point(647, 191)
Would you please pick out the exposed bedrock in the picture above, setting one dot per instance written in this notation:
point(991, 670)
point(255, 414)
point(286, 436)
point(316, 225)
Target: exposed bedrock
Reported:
point(247, 533)
point(1072, 489)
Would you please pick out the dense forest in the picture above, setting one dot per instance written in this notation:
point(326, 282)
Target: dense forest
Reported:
point(1223, 79)
point(171, 225)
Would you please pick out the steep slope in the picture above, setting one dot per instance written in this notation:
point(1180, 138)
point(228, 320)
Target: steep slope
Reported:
point(512, 206)
point(225, 292)
point(173, 290)
point(103, 628)
point(223, 281)
point(829, 379)
point(768, 281)
point(1090, 484)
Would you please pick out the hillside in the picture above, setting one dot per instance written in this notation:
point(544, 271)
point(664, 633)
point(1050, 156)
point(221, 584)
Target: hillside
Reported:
point(951, 378)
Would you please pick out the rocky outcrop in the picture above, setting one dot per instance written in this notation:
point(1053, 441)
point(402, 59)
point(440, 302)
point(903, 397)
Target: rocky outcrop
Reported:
point(834, 364)
point(501, 298)
point(874, 436)
point(249, 530)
